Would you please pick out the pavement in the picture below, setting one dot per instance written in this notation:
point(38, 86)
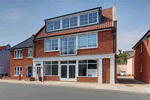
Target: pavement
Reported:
point(20, 90)
point(132, 88)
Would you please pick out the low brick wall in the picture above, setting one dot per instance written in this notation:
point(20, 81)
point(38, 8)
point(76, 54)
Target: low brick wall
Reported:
point(10, 78)
point(87, 79)
point(51, 78)
point(143, 79)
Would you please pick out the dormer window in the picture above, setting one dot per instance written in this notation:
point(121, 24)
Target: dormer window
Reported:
point(74, 20)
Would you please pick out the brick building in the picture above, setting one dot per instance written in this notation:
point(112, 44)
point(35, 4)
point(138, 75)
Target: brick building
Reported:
point(75, 47)
point(141, 59)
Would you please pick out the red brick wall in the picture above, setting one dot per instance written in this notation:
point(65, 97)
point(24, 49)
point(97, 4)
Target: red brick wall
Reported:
point(144, 59)
point(20, 62)
point(51, 78)
point(87, 79)
point(105, 45)
point(106, 70)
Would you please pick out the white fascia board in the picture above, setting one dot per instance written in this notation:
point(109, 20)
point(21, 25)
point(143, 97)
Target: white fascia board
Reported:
point(77, 57)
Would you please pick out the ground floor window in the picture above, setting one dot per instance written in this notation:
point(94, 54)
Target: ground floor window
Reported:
point(88, 68)
point(51, 68)
point(17, 70)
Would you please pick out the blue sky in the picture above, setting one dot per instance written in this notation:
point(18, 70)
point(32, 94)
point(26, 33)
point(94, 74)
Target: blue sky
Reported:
point(19, 19)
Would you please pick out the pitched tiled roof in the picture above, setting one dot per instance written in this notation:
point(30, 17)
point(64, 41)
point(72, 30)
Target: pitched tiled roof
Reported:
point(107, 22)
point(25, 44)
point(2, 47)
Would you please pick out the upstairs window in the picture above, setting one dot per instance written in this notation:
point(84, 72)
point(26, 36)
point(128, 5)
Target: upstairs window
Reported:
point(74, 20)
point(84, 19)
point(65, 23)
point(51, 45)
point(87, 41)
point(89, 18)
point(17, 53)
point(56, 24)
point(30, 52)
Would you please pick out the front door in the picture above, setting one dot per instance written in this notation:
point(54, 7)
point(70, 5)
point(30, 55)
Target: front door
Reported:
point(29, 72)
point(68, 72)
point(38, 72)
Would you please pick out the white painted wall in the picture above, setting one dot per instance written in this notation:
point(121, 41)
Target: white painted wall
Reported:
point(121, 68)
point(130, 66)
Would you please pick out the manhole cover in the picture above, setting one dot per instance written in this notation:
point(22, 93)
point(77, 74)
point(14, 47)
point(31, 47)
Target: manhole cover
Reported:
point(129, 85)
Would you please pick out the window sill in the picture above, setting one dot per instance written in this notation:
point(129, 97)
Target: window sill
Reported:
point(18, 58)
point(29, 57)
point(17, 76)
point(88, 48)
point(52, 51)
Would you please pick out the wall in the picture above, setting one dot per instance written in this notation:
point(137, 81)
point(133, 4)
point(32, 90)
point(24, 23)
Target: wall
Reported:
point(130, 66)
point(20, 62)
point(144, 60)
point(105, 45)
point(121, 68)
point(5, 60)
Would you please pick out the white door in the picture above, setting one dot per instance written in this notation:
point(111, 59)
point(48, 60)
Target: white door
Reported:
point(38, 72)
point(68, 72)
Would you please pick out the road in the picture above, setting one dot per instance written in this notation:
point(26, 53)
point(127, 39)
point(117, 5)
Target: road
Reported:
point(18, 91)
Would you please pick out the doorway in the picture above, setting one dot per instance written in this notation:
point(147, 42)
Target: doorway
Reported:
point(68, 72)
point(29, 72)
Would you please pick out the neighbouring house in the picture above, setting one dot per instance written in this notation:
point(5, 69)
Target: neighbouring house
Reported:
point(130, 65)
point(78, 47)
point(4, 59)
point(21, 62)
point(129, 52)
point(142, 58)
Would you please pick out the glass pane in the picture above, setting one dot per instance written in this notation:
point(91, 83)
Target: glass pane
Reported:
point(55, 44)
point(72, 62)
point(71, 71)
point(92, 40)
point(47, 69)
point(17, 70)
point(82, 69)
point(63, 62)
point(50, 26)
point(20, 53)
point(73, 21)
point(64, 71)
point(56, 24)
point(92, 61)
point(93, 17)
point(72, 45)
point(54, 69)
point(54, 62)
point(92, 66)
point(65, 23)
point(83, 41)
point(84, 19)
point(82, 61)
point(63, 46)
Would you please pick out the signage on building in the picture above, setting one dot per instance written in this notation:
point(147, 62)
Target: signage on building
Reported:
point(92, 72)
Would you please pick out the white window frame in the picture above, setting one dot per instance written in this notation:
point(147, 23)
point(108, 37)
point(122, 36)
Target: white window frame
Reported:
point(19, 53)
point(87, 41)
point(67, 46)
point(51, 68)
point(17, 70)
point(87, 68)
point(29, 52)
point(78, 20)
point(51, 44)
point(141, 48)
point(141, 68)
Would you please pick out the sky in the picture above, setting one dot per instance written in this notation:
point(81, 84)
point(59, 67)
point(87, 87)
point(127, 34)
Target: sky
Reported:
point(20, 19)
